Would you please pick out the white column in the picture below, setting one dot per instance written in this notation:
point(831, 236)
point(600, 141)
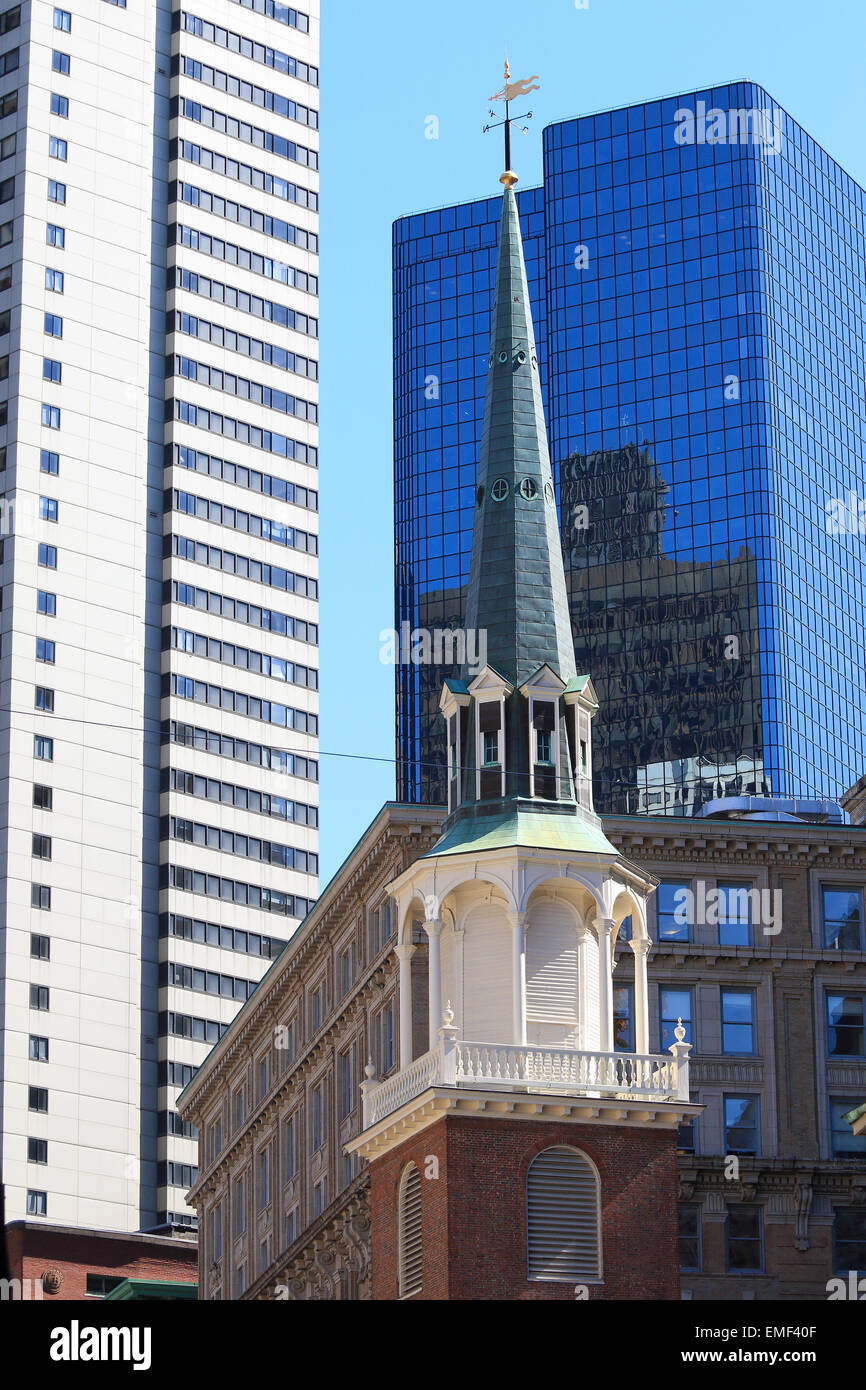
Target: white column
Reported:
point(640, 945)
point(605, 927)
point(518, 977)
point(404, 955)
point(434, 979)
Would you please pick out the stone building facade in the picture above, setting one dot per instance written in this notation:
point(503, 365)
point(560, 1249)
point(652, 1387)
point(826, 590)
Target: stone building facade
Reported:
point(783, 1221)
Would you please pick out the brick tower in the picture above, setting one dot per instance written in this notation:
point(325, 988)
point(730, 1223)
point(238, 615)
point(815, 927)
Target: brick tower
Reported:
point(522, 1154)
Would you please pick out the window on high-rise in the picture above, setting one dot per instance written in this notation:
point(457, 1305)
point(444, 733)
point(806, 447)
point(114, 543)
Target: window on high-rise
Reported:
point(738, 1020)
point(842, 917)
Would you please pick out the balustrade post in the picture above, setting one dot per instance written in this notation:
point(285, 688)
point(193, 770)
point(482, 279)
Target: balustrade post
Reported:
point(368, 1087)
point(447, 1041)
point(680, 1051)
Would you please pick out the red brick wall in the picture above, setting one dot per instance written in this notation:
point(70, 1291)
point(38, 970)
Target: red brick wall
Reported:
point(474, 1214)
point(77, 1254)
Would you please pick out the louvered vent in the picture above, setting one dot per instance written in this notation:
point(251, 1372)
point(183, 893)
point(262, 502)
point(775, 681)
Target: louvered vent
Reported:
point(551, 966)
point(409, 1232)
point(563, 1225)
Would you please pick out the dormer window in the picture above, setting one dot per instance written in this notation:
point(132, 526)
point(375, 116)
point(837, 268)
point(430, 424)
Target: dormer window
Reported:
point(543, 746)
point(491, 748)
point(454, 704)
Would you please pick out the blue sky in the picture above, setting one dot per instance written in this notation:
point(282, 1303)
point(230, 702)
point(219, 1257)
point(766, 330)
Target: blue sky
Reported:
point(386, 66)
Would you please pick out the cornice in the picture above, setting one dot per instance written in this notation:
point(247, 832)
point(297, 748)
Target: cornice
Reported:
point(438, 1101)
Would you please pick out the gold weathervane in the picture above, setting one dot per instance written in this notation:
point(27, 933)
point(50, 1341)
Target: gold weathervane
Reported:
point(509, 92)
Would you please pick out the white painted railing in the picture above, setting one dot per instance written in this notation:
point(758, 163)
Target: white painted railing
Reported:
point(559, 1070)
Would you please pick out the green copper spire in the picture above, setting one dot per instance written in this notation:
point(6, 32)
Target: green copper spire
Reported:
point(519, 730)
point(516, 580)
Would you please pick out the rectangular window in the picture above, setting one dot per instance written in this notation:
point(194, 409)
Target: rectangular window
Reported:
point(43, 748)
point(735, 913)
point(216, 1232)
point(239, 1109)
point(54, 236)
point(38, 1051)
point(54, 325)
point(317, 1007)
point(37, 1203)
point(51, 417)
point(49, 462)
point(842, 917)
point(291, 1227)
point(56, 191)
point(59, 105)
point(57, 148)
point(623, 1018)
point(319, 1129)
point(40, 947)
point(40, 897)
point(690, 1236)
point(673, 913)
point(37, 1099)
point(264, 1179)
point(5, 233)
point(738, 1021)
point(263, 1071)
point(745, 1238)
point(8, 146)
point(52, 370)
point(39, 998)
point(63, 20)
point(45, 651)
point(46, 603)
point(346, 969)
point(54, 280)
point(543, 746)
point(48, 556)
point(290, 1148)
point(384, 1034)
point(845, 1032)
point(41, 846)
point(849, 1239)
point(348, 1069)
point(10, 20)
point(845, 1142)
point(240, 1209)
point(320, 1196)
point(7, 190)
point(60, 62)
point(742, 1124)
point(675, 1004)
point(44, 699)
point(490, 753)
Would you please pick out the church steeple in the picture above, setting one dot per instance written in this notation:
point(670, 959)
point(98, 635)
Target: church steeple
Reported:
point(518, 731)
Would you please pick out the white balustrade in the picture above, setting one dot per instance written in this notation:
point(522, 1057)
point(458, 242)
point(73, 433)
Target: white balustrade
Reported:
point(625, 1075)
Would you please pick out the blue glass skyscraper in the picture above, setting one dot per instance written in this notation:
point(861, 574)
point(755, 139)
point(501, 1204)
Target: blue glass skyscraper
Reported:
point(697, 267)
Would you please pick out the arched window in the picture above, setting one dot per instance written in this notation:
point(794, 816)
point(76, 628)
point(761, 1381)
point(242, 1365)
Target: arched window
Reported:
point(563, 1215)
point(409, 1232)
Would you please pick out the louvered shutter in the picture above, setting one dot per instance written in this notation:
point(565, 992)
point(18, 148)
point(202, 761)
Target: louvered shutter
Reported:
point(409, 1232)
point(487, 989)
point(563, 1216)
point(551, 970)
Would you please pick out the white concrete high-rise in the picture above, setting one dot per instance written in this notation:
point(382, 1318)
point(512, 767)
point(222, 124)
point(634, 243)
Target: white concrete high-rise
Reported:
point(158, 434)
